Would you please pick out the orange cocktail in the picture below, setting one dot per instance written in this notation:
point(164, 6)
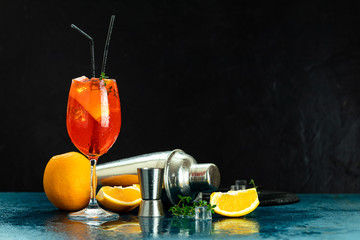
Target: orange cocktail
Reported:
point(93, 115)
point(93, 122)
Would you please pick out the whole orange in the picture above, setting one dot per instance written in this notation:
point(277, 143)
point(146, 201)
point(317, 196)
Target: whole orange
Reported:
point(67, 181)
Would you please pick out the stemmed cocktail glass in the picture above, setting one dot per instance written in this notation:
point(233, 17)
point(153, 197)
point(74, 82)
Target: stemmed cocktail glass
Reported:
point(93, 122)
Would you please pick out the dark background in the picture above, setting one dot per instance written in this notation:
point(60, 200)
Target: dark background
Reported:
point(268, 90)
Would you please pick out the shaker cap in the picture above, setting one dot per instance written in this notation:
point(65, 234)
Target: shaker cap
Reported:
point(185, 177)
point(204, 177)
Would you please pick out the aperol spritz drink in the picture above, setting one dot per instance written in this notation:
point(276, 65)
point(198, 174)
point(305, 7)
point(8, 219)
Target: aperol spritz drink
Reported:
point(93, 122)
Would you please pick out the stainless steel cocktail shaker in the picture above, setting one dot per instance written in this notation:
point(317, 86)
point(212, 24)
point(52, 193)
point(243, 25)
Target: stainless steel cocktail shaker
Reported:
point(182, 174)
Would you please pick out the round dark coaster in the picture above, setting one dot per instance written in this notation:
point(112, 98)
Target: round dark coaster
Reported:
point(271, 198)
point(267, 197)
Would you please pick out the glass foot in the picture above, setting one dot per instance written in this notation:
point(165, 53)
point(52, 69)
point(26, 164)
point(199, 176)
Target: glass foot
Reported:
point(93, 213)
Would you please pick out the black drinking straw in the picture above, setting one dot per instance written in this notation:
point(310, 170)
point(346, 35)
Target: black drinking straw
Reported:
point(92, 48)
point(107, 43)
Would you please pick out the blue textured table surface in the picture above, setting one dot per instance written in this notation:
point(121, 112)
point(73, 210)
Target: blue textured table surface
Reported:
point(316, 216)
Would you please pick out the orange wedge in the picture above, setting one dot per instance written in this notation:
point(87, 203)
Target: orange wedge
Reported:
point(119, 199)
point(235, 203)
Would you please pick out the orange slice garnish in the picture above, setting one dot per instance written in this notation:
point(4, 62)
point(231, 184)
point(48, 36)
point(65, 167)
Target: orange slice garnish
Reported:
point(92, 96)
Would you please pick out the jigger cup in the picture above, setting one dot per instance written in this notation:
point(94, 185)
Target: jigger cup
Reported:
point(151, 180)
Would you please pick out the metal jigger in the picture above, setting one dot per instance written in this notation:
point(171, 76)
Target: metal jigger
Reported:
point(151, 180)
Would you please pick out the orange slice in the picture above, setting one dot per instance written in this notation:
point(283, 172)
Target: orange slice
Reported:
point(121, 180)
point(92, 96)
point(235, 203)
point(119, 199)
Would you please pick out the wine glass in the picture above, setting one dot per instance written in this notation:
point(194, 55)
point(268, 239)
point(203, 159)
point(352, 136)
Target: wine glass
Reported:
point(93, 122)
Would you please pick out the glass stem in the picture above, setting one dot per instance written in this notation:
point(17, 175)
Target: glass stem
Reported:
point(93, 182)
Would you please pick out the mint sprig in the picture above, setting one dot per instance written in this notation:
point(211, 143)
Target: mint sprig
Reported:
point(252, 182)
point(103, 76)
point(185, 209)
